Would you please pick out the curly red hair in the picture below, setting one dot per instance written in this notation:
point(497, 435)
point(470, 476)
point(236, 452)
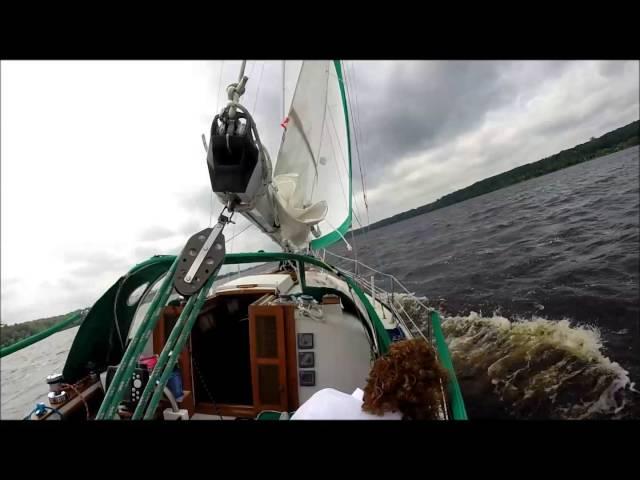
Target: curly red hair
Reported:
point(407, 379)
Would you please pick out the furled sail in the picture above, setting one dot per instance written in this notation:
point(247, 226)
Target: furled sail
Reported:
point(312, 174)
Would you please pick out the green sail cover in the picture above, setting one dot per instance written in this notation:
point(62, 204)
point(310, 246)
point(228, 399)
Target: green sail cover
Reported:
point(342, 131)
point(97, 340)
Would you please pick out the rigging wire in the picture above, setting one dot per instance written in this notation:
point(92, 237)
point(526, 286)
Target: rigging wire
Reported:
point(216, 110)
point(355, 91)
point(241, 232)
point(357, 133)
point(335, 130)
point(362, 164)
point(255, 103)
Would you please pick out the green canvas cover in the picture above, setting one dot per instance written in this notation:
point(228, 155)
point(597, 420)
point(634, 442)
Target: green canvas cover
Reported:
point(97, 340)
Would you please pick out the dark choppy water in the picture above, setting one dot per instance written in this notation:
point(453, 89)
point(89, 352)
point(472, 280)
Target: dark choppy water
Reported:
point(539, 285)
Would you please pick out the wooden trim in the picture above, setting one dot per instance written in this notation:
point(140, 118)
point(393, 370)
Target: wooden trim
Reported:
point(264, 300)
point(246, 291)
point(211, 302)
point(269, 361)
point(225, 410)
point(292, 357)
point(277, 312)
point(330, 299)
point(160, 337)
point(74, 403)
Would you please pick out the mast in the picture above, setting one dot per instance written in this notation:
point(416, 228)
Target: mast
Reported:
point(305, 201)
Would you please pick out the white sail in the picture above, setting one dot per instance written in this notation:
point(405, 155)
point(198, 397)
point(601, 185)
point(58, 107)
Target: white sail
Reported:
point(312, 175)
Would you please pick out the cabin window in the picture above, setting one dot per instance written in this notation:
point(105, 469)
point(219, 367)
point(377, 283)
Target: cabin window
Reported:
point(136, 294)
point(143, 305)
point(266, 337)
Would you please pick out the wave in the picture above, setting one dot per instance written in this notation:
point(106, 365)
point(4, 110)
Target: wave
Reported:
point(535, 368)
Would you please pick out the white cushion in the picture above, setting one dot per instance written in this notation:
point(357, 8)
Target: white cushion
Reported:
point(330, 404)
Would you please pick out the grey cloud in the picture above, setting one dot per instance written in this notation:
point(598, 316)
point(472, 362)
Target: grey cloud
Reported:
point(10, 281)
point(613, 67)
point(100, 263)
point(194, 225)
point(10, 284)
point(9, 287)
point(572, 111)
point(77, 256)
point(176, 248)
point(199, 201)
point(157, 232)
point(144, 252)
point(419, 105)
point(91, 270)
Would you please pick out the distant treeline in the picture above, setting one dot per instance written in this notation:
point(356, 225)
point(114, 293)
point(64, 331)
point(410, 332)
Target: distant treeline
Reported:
point(613, 141)
point(10, 334)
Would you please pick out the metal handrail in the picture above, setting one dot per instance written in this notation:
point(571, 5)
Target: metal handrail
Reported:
point(394, 281)
point(394, 278)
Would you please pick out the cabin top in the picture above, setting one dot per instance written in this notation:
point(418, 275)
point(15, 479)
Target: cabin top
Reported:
point(281, 283)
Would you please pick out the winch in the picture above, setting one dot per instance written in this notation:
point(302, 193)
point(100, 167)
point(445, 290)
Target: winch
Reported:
point(57, 395)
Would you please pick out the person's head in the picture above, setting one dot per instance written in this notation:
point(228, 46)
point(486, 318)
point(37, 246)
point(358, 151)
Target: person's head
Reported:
point(407, 379)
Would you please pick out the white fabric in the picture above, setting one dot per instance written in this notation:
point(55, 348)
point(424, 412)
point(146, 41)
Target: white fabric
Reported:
point(295, 222)
point(330, 404)
point(286, 189)
point(312, 173)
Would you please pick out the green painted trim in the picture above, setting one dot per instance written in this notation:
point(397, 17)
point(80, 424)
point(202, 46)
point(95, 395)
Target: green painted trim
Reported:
point(163, 359)
point(25, 342)
point(176, 349)
point(458, 410)
point(115, 392)
point(341, 231)
point(302, 279)
point(156, 259)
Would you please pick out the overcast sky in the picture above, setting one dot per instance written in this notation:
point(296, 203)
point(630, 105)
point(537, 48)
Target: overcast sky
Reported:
point(102, 163)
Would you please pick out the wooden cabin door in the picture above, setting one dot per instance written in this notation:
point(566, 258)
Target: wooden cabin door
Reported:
point(268, 357)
